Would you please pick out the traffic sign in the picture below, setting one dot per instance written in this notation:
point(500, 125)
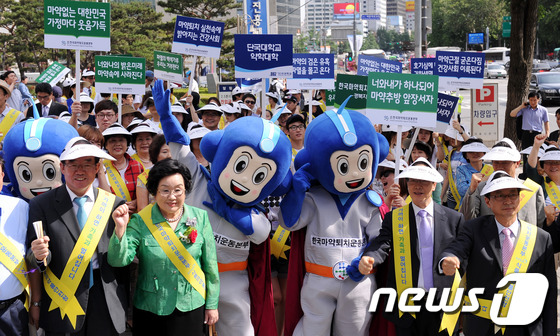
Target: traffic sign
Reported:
point(484, 120)
point(371, 17)
point(506, 26)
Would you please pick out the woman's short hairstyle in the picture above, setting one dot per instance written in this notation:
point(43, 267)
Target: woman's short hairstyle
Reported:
point(470, 141)
point(157, 142)
point(135, 137)
point(165, 168)
point(92, 134)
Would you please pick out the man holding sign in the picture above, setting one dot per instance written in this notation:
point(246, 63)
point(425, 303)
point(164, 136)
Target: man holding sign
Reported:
point(85, 296)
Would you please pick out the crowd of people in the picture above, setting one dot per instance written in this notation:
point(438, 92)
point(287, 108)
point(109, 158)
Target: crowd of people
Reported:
point(149, 213)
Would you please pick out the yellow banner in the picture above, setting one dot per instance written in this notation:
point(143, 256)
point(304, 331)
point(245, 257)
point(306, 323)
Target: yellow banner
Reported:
point(116, 181)
point(14, 261)
point(175, 251)
point(401, 250)
point(8, 122)
point(62, 291)
point(449, 320)
point(525, 195)
point(451, 181)
point(278, 246)
point(553, 193)
point(487, 170)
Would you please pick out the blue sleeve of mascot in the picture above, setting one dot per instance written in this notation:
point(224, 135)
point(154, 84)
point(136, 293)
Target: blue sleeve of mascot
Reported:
point(238, 217)
point(169, 124)
point(292, 203)
point(353, 270)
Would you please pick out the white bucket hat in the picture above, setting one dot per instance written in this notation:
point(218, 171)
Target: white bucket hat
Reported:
point(501, 180)
point(420, 172)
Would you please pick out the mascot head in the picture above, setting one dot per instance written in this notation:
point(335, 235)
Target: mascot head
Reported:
point(250, 159)
point(343, 150)
point(31, 150)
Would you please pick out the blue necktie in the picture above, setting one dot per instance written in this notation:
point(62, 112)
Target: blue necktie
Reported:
point(82, 219)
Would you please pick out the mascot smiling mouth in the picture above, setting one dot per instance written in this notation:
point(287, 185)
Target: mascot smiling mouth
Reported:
point(39, 191)
point(238, 189)
point(354, 183)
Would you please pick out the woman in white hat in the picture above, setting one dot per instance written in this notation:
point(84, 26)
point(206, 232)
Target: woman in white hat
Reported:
point(423, 150)
point(142, 136)
point(122, 173)
point(451, 143)
point(232, 112)
point(68, 92)
point(272, 102)
point(391, 191)
point(473, 150)
point(196, 132)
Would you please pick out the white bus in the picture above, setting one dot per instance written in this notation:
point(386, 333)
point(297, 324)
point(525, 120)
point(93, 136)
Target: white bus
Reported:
point(498, 54)
point(374, 52)
point(431, 52)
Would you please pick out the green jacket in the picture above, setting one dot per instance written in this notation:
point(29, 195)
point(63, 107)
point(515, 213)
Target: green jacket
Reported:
point(161, 288)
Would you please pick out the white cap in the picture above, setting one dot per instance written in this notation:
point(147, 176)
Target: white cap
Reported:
point(391, 164)
point(116, 129)
point(419, 172)
point(453, 133)
point(272, 95)
point(242, 105)
point(284, 111)
point(501, 153)
point(230, 108)
point(87, 73)
point(72, 152)
point(550, 155)
point(210, 107)
point(393, 128)
point(178, 108)
point(528, 150)
point(294, 91)
point(134, 122)
point(237, 90)
point(85, 98)
point(475, 147)
point(315, 103)
point(196, 131)
point(143, 127)
point(501, 180)
point(68, 82)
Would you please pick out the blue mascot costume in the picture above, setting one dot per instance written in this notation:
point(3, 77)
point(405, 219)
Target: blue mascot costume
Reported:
point(250, 160)
point(330, 199)
point(31, 153)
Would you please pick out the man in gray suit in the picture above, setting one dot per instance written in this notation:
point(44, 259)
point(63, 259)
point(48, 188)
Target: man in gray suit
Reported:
point(505, 156)
point(76, 218)
point(431, 228)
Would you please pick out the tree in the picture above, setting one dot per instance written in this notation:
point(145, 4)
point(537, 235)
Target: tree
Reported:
point(549, 25)
point(370, 42)
point(523, 36)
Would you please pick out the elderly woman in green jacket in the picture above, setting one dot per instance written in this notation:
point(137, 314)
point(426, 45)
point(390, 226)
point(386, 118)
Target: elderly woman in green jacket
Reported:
point(178, 282)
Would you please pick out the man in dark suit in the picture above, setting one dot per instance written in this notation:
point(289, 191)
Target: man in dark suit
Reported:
point(46, 105)
point(487, 244)
point(431, 228)
point(70, 214)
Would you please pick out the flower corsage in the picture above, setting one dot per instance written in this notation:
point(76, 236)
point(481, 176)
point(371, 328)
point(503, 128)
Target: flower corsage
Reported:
point(190, 234)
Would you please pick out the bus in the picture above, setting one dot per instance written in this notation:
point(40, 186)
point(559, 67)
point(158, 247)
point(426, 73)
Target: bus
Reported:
point(374, 52)
point(431, 52)
point(498, 54)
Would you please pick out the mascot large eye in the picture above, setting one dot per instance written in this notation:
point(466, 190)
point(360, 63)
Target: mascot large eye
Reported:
point(342, 166)
point(363, 162)
point(48, 171)
point(241, 164)
point(24, 173)
point(260, 175)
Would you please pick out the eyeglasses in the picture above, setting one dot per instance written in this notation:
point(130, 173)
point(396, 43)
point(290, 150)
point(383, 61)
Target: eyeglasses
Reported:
point(74, 167)
point(106, 116)
point(296, 127)
point(252, 102)
point(176, 192)
point(504, 197)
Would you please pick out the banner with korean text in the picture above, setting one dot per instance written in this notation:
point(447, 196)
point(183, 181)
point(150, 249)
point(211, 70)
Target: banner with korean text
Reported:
point(354, 85)
point(120, 74)
point(197, 37)
point(459, 70)
point(422, 66)
point(78, 25)
point(168, 66)
point(53, 74)
point(312, 71)
point(446, 105)
point(367, 64)
point(263, 56)
point(402, 99)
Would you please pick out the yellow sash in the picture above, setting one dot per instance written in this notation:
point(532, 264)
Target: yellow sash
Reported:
point(144, 176)
point(278, 246)
point(525, 195)
point(452, 185)
point(175, 251)
point(62, 291)
point(8, 122)
point(553, 193)
point(116, 181)
point(136, 157)
point(14, 261)
point(519, 263)
point(294, 153)
point(401, 250)
point(487, 170)
point(408, 199)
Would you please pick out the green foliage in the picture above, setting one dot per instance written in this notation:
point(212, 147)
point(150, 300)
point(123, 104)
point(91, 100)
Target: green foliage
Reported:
point(370, 42)
point(549, 25)
point(392, 41)
point(452, 20)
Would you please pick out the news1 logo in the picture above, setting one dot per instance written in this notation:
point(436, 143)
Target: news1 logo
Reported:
point(529, 291)
point(486, 94)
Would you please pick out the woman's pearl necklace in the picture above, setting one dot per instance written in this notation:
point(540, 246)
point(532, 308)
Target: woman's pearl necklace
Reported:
point(176, 218)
